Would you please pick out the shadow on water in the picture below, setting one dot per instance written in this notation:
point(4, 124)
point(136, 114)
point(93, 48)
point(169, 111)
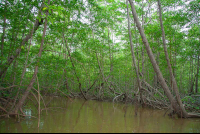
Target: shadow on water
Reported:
point(98, 117)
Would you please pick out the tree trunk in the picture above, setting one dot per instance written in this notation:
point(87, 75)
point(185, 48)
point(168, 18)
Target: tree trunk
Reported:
point(21, 101)
point(191, 91)
point(110, 55)
point(174, 84)
point(132, 52)
point(17, 52)
point(191, 76)
point(153, 61)
point(3, 34)
point(74, 66)
point(180, 83)
point(196, 90)
point(143, 73)
point(22, 77)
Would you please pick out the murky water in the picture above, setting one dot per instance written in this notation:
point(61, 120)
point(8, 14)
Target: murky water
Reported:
point(98, 117)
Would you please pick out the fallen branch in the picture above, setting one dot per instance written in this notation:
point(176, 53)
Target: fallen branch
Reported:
point(52, 107)
point(3, 109)
point(1, 88)
point(64, 94)
point(17, 114)
point(148, 85)
point(41, 97)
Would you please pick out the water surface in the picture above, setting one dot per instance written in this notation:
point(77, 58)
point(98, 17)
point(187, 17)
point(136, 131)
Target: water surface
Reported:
point(98, 117)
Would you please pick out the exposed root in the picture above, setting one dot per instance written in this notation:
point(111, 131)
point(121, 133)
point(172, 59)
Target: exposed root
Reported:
point(13, 114)
point(117, 97)
point(193, 115)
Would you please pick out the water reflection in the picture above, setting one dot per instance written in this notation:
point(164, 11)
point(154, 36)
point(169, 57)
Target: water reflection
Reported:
point(99, 117)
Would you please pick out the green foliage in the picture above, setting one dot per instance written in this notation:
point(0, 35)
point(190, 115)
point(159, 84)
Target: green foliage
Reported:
point(188, 99)
point(98, 29)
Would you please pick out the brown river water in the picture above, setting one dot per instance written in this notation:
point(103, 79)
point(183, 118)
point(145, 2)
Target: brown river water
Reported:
point(81, 116)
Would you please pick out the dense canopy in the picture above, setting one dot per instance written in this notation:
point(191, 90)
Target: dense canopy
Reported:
point(93, 49)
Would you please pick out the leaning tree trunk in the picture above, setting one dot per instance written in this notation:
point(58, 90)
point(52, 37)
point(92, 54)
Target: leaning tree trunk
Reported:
point(174, 84)
point(173, 102)
point(17, 52)
point(133, 55)
point(21, 101)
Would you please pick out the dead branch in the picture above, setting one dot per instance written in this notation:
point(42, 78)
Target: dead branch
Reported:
point(64, 94)
point(3, 109)
point(1, 88)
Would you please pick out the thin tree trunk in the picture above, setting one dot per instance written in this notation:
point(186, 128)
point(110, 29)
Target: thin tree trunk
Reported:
point(174, 84)
point(190, 75)
point(153, 61)
point(66, 80)
point(137, 46)
point(38, 102)
point(174, 70)
point(143, 73)
point(133, 55)
point(180, 84)
point(22, 76)
point(110, 54)
point(196, 90)
point(74, 66)
point(17, 52)
point(3, 35)
point(21, 101)
point(155, 76)
point(191, 91)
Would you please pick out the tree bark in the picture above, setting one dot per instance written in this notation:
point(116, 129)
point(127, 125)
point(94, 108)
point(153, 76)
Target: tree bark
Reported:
point(133, 55)
point(22, 77)
point(196, 89)
point(17, 52)
point(174, 84)
point(191, 90)
point(153, 61)
point(74, 66)
point(21, 101)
